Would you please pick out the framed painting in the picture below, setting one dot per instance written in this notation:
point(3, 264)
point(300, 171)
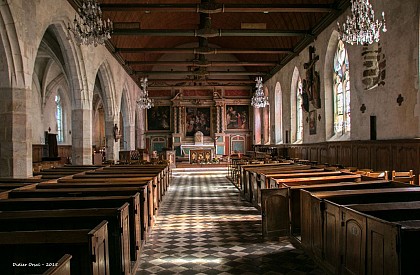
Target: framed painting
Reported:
point(159, 118)
point(312, 122)
point(197, 119)
point(237, 117)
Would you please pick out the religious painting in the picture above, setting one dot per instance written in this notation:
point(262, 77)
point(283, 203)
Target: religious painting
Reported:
point(237, 116)
point(312, 122)
point(197, 119)
point(159, 118)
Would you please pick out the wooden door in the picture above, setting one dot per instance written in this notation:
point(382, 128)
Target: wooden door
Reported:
point(275, 212)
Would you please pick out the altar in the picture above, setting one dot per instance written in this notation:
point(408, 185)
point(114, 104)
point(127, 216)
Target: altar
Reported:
point(199, 152)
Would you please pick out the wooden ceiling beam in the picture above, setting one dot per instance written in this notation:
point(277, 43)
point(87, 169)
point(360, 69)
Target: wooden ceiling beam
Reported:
point(214, 33)
point(221, 8)
point(201, 64)
point(205, 50)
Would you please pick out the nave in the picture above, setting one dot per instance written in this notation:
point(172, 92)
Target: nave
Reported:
point(203, 227)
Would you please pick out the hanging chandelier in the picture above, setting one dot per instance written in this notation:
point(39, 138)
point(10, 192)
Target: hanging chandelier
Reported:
point(144, 101)
point(259, 100)
point(88, 27)
point(361, 28)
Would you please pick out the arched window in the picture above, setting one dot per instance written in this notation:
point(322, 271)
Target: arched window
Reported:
point(59, 118)
point(299, 111)
point(341, 91)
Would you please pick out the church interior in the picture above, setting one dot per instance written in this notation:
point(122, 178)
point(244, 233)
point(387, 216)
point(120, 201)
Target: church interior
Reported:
point(209, 137)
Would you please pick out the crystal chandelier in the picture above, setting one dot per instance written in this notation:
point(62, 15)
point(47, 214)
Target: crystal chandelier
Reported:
point(259, 100)
point(361, 27)
point(88, 27)
point(144, 101)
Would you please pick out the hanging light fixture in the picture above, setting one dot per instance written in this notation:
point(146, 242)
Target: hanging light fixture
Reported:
point(259, 100)
point(144, 101)
point(361, 27)
point(88, 27)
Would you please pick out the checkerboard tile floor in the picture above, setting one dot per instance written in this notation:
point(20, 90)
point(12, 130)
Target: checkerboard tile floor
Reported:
point(203, 227)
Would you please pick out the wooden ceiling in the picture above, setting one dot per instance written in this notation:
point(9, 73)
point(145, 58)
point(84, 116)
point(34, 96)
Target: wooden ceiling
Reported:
point(212, 43)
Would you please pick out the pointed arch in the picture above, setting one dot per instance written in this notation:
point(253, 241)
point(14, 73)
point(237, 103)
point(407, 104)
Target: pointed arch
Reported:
point(296, 110)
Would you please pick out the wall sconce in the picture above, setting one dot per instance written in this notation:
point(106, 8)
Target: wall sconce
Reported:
point(363, 108)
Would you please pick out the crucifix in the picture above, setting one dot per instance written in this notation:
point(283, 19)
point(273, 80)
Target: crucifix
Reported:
point(312, 79)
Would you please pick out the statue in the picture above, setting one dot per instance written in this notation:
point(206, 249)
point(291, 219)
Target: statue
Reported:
point(116, 133)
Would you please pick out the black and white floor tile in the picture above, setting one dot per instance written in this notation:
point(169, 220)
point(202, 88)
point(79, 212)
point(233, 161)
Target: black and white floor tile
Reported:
point(203, 227)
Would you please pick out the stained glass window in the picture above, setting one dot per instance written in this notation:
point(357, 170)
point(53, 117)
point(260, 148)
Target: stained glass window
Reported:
point(341, 91)
point(59, 118)
point(299, 112)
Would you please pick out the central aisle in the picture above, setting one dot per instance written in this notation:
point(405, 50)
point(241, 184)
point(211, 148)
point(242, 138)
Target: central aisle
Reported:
point(203, 227)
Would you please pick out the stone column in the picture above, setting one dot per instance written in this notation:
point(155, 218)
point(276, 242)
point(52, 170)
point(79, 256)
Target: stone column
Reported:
point(129, 137)
point(15, 133)
point(81, 137)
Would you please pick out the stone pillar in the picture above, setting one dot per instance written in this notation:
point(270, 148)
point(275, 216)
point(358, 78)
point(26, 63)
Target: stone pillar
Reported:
point(81, 137)
point(140, 142)
point(129, 137)
point(15, 133)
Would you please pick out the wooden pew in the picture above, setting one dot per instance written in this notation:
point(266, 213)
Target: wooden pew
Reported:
point(88, 247)
point(326, 226)
point(61, 267)
point(144, 183)
point(66, 219)
point(281, 207)
point(392, 233)
point(145, 218)
point(154, 187)
point(24, 204)
point(250, 176)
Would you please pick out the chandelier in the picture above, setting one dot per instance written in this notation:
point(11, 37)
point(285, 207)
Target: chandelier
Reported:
point(361, 27)
point(259, 100)
point(144, 101)
point(88, 27)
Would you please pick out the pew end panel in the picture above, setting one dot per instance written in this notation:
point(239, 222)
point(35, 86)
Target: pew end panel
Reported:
point(275, 212)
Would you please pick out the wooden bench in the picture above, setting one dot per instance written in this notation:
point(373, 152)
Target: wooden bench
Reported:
point(145, 185)
point(146, 220)
point(88, 247)
point(250, 176)
point(326, 222)
point(154, 187)
point(281, 207)
point(66, 219)
point(136, 228)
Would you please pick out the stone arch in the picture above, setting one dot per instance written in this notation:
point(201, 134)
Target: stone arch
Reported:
point(328, 84)
point(11, 73)
point(278, 114)
point(293, 104)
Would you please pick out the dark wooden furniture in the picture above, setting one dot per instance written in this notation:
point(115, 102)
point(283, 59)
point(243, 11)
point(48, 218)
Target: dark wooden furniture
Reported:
point(88, 247)
point(24, 204)
point(337, 243)
point(69, 219)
